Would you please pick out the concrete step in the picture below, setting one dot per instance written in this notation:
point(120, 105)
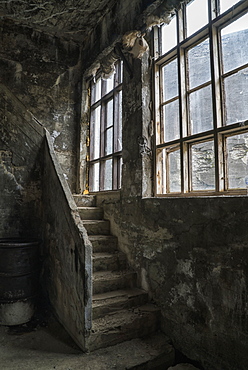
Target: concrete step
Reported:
point(109, 261)
point(105, 281)
point(90, 213)
point(103, 243)
point(151, 353)
point(124, 325)
point(105, 303)
point(84, 200)
point(97, 227)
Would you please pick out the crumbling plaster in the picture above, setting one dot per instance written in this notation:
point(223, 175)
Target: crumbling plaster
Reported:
point(44, 74)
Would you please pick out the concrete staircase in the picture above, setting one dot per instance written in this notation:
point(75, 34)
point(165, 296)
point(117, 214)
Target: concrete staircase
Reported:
point(121, 312)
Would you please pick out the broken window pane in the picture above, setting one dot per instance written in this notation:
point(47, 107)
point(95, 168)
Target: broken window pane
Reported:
point(237, 160)
point(203, 166)
point(200, 106)
point(199, 64)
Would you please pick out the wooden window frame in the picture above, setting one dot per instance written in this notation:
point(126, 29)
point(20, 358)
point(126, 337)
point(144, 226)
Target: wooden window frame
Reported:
point(115, 154)
point(219, 131)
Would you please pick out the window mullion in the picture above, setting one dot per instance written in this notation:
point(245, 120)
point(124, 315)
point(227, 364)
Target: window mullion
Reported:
point(217, 112)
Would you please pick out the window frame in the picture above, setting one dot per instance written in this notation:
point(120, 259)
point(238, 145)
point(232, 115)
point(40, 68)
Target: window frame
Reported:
point(219, 131)
point(105, 155)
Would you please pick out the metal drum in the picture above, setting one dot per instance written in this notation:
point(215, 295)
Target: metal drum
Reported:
point(19, 278)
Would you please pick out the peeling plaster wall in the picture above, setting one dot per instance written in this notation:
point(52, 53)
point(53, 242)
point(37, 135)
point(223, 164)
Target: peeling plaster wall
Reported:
point(20, 187)
point(44, 73)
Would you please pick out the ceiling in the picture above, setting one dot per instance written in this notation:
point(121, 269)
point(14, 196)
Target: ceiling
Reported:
point(70, 19)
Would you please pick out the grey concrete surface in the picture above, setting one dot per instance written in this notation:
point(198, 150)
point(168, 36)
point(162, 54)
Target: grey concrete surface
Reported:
point(45, 345)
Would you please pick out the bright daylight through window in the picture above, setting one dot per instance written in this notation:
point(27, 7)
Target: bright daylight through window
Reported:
point(201, 99)
point(106, 132)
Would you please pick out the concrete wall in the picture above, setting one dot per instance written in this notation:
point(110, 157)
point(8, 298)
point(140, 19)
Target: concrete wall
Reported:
point(20, 186)
point(190, 253)
point(66, 254)
point(36, 202)
point(44, 74)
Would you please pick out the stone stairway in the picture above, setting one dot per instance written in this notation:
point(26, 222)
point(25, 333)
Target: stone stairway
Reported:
point(121, 311)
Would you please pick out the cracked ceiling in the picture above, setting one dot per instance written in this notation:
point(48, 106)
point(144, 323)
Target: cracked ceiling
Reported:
point(69, 19)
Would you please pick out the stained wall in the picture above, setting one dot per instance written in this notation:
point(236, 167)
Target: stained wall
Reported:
point(44, 73)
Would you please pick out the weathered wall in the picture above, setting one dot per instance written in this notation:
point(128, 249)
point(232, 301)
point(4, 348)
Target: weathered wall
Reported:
point(44, 73)
point(20, 187)
point(191, 253)
point(66, 254)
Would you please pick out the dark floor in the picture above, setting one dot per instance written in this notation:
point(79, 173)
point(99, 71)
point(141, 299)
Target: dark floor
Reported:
point(43, 344)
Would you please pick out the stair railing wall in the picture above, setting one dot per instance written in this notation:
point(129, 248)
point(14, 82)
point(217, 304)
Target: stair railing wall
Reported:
point(67, 253)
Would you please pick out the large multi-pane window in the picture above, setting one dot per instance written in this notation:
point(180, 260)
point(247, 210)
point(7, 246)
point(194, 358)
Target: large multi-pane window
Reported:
point(106, 132)
point(201, 99)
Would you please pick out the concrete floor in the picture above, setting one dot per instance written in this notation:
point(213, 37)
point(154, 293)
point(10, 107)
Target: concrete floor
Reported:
point(45, 345)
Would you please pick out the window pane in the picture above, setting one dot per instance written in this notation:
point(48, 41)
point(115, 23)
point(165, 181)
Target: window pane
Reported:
point(119, 172)
point(226, 4)
point(237, 160)
point(169, 35)
point(118, 74)
point(94, 177)
point(199, 64)
point(109, 117)
point(174, 171)
point(171, 121)
point(118, 122)
point(201, 116)
point(96, 91)
point(203, 166)
point(234, 40)
point(117, 167)
point(106, 175)
point(236, 97)
point(110, 83)
point(95, 133)
point(109, 141)
point(197, 15)
point(161, 171)
point(170, 80)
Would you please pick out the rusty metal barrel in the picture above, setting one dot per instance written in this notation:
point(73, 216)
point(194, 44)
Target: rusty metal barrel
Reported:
point(19, 279)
